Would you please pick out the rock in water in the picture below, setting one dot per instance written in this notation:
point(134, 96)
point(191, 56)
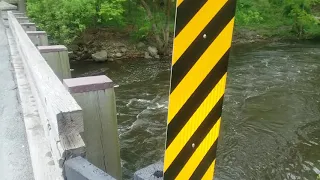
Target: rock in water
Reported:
point(118, 54)
point(123, 49)
point(100, 56)
point(153, 51)
point(147, 56)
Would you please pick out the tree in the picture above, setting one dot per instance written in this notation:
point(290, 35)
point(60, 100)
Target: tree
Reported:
point(161, 33)
point(300, 12)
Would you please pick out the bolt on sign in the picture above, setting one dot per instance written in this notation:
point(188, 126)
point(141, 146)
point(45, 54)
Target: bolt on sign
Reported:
point(203, 35)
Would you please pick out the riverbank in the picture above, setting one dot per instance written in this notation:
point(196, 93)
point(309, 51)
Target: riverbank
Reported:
point(106, 44)
point(112, 45)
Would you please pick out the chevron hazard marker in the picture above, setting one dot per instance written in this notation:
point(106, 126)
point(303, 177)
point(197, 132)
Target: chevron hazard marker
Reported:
point(203, 36)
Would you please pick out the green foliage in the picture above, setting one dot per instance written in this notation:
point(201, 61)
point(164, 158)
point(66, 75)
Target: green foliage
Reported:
point(248, 12)
point(137, 16)
point(248, 17)
point(142, 26)
point(111, 12)
point(303, 20)
point(62, 19)
point(66, 19)
point(287, 18)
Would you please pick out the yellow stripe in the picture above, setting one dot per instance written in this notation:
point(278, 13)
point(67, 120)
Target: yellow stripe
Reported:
point(210, 172)
point(179, 2)
point(200, 70)
point(198, 155)
point(194, 122)
point(201, 151)
point(195, 26)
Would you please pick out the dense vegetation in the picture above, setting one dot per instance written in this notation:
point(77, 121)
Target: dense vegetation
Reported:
point(280, 18)
point(64, 20)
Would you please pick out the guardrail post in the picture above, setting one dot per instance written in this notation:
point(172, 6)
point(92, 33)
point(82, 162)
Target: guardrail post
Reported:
point(58, 59)
point(39, 38)
point(22, 19)
point(22, 5)
point(29, 26)
point(96, 97)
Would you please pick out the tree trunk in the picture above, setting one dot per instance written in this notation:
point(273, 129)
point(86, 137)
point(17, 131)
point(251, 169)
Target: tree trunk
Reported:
point(154, 25)
point(167, 28)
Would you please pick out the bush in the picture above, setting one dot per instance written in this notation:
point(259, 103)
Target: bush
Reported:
point(304, 23)
point(64, 20)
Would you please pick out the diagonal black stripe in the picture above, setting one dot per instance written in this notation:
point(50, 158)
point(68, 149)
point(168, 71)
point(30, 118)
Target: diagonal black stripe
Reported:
point(187, 151)
point(205, 163)
point(199, 45)
point(197, 97)
point(185, 12)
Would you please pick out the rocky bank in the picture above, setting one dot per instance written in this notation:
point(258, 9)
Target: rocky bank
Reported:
point(101, 45)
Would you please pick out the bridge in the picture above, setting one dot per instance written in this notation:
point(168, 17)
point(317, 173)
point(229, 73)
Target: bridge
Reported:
point(64, 125)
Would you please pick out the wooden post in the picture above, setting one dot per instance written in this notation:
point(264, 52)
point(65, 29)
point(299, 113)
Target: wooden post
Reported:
point(39, 38)
point(58, 59)
point(22, 5)
point(22, 19)
point(29, 26)
point(96, 97)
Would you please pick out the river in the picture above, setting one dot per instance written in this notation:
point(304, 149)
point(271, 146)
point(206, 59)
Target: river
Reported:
point(271, 114)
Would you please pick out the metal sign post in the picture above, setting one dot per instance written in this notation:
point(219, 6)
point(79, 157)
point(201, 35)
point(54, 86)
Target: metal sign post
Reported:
point(203, 35)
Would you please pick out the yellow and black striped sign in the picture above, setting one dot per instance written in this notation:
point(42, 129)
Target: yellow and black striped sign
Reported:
point(203, 35)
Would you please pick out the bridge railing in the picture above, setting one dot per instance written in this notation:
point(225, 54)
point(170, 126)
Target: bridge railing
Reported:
point(47, 67)
point(61, 116)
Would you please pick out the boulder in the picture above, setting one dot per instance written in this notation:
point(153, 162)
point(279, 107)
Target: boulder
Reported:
point(100, 56)
point(118, 54)
point(123, 49)
point(140, 45)
point(73, 47)
point(147, 56)
point(153, 51)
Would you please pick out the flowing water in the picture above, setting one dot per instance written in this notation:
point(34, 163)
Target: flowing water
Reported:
point(271, 114)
